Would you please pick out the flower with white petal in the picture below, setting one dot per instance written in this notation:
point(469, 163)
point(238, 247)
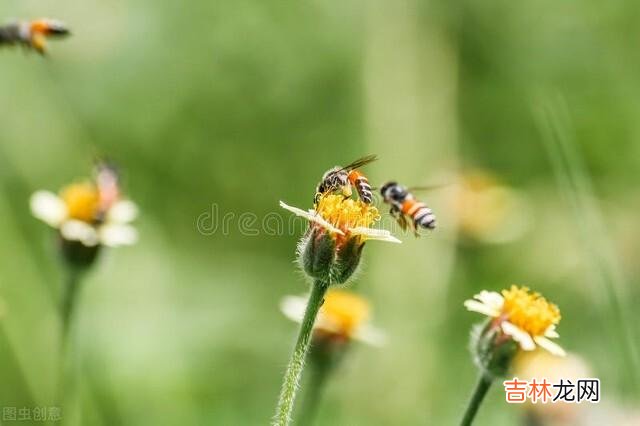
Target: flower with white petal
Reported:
point(345, 218)
point(92, 213)
point(343, 317)
point(339, 227)
point(526, 317)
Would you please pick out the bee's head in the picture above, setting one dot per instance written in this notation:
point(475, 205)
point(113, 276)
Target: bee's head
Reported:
point(391, 191)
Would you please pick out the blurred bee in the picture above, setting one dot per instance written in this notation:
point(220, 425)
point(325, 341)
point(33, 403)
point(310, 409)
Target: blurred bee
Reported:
point(108, 184)
point(404, 205)
point(32, 34)
point(344, 178)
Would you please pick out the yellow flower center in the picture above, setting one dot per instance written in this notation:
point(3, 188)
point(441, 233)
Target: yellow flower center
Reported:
point(345, 213)
point(82, 201)
point(344, 312)
point(529, 311)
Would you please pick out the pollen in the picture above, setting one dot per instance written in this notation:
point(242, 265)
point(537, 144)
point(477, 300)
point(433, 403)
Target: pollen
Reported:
point(82, 201)
point(529, 311)
point(345, 213)
point(344, 312)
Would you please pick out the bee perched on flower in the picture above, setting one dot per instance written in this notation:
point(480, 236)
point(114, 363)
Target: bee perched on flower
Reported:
point(329, 253)
point(331, 248)
point(32, 34)
point(519, 320)
point(88, 215)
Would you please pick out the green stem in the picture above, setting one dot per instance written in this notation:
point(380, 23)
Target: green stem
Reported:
point(484, 383)
point(296, 363)
point(68, 299)
point(320, 369)
point(69, 296)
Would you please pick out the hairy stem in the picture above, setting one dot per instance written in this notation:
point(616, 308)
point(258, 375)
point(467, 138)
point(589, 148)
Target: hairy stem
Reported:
point(296, 363)
point(321, 368)
point(484, 383)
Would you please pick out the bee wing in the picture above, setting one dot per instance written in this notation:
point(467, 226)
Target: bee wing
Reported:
point(360, 162)
point(428, 187)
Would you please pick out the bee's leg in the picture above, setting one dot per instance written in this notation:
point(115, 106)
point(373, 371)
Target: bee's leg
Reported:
point(346, 191)
point(399, 217)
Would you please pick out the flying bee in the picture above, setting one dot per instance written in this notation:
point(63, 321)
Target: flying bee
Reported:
point(344, 178)
point(32, 34)
point(404, 205)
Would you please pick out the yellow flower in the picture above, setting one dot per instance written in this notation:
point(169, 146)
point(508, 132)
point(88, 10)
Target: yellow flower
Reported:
point(528, 318)
point(345, 217)
point(330, 250)
point(344, 316)
point(91, 213)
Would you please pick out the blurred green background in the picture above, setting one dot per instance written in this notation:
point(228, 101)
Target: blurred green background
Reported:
point(242, 104)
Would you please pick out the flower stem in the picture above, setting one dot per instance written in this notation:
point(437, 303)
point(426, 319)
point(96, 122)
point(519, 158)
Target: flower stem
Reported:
point(484, 383)
point(296, 363)
point(65, 373)
point(68, 299)
point(321, 368)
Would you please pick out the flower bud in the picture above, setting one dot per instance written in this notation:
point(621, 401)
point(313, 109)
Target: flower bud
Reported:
point(327, 258)
point(492, 350)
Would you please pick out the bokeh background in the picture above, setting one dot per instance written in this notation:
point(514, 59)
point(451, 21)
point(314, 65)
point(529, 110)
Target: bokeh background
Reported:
point(242, 104)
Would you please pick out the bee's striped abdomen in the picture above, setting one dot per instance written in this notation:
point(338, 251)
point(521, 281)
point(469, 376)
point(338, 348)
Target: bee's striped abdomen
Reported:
point(421, 215)
point(360, 182)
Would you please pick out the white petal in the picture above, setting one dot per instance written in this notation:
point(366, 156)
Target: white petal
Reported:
point(491, 299)
point(312, 216)
point(124, 211)
point(551, 332)
point(293, 307)
point(547, 344)
point(519, 335)
point(76, 230)
point(115, 235)
point(48, 207)
point(371, 335)
point(475, 306)
point(374, 234)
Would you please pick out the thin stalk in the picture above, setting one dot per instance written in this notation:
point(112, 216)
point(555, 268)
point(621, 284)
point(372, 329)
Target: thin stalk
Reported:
point(296, 363)
point(320, 372)
point(68, 299)
point(69, 295)
point(484, 383)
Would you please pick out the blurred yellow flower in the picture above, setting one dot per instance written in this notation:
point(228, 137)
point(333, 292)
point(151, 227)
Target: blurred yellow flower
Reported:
point(91, 213)
point(524, 316)
point(344, 316)
point(540, 364)
point(487, 210)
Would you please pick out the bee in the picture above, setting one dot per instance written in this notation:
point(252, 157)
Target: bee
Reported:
point(32, 34)
point(108, 184)
point(344, 178)
point(404, 205)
